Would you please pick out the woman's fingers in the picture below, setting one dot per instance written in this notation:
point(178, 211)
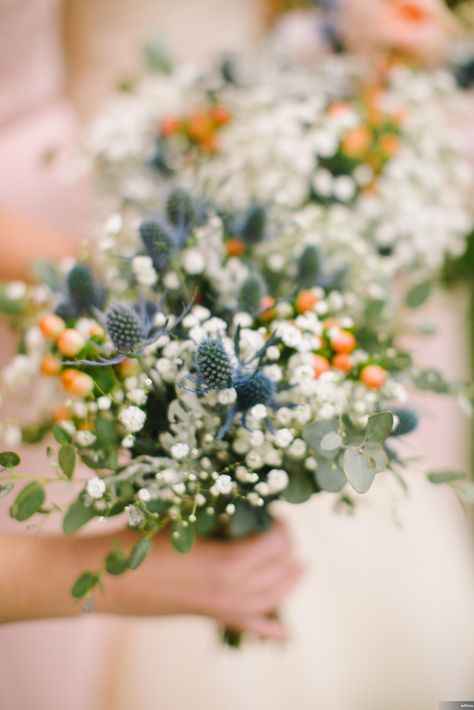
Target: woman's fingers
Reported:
point(262, 626)
point(271, 597)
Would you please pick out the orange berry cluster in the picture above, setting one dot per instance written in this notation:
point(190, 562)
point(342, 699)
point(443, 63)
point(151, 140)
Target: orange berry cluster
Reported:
point(200, 128)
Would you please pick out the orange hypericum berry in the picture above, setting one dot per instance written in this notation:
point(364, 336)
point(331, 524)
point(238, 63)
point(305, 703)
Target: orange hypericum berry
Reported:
point(373, 376)
point(220, 114)
point(70, 342)
point(356, 142)
point(128, 367)
point(305, 301)
point(389, 143)
point(343, 342)
point(337, 107)
point(96, 331)
point(50, 365)
point(199, 126)
point(320, 365)
point(411, 12)
point(210, 144)
point(235, 247)
point(168, 127)
point(330, 323)
point(61, 413)
point(77, 382)
point(85, 426)
point(51, 326)
point(267, 311)
point(342, 361)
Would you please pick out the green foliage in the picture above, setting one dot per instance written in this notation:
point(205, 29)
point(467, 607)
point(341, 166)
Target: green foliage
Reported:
point(445, 476)
point(28, 501)
point(359, 468)
point(247, 520)
point(329, 476)
point(418, 294)
point(116, 562)
point(61, 435)
point(48, 274)
point(432, 381)
point(316, 436)
point(5, 489)
point(77, 515)
point(84, 584)
point(182, 536)
point(379, 427)
point(9, 459)
point(67, 460)
point(300, 487)
point(139, 552)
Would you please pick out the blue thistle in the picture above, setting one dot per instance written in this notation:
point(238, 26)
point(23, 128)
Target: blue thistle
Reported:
point(251, 294)
point(158, 241)
point(83, 293)
point(213, 366)
point(254, 389)
point(253, 230)
point(309, 266)
point(407, 421)
point(180, 208)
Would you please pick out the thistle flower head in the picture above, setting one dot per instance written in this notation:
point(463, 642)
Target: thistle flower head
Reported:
point(180, 208)
point(83, 293)
point(158, 241)
point(125, 327)
point(407, 421)
point(251, 294)
point(213, 365)
point(309, 266)
point(253, 230)
point(254, 389)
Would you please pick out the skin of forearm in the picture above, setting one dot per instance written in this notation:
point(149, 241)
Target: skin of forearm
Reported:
point(37, 573)
point(22, 241)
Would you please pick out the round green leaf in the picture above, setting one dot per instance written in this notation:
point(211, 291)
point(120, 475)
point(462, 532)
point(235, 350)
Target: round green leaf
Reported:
point(116, 563)
point(418, 294)
point(84, 584)
point(182, 537)
point(9, 459)
point(61, 435)
point(329, 476)
point(316, 432)
point(379, 427)
point(28, 501)
point(77, 515)
point(139, 552)
point(300, 487)
point(359, 469)
point(67, 460)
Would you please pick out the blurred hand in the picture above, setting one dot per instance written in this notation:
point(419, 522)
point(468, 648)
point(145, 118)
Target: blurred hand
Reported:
point(238, 583)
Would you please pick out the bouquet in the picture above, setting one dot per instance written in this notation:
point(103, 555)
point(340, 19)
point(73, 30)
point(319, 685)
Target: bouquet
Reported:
point(216, 349)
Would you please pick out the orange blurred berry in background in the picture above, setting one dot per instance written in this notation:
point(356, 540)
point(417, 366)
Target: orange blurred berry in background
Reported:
point(70, 342)
point(168, 127)
point(235, 247)
point(343, 342)
point(320, 365)
point(220, 114)
point(390, 144)
point(51, 365)
point(305, 301)
point(61, 413)
point(128, 367)
point(342, 361)
point(356, 142)
point(267, 310)
point(51, 326)
point(77, 383)
point(373, 376)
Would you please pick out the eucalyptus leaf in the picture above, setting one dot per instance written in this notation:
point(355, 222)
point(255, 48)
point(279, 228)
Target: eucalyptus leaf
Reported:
point(77, 515)
point(28, 501)
point(315, 432)
point(182, 536)
point(139, 552)
point(359, 469)
point(67, 460)
point(379, 427)
point(61, 435)
point(248, 519)
point(445, 476)
point(300, 487)
point(418, 294)
point(379, 456)
point(116, 563)
point(9, 459)
point(329, 476)
point(84, 584)
point(331, 441)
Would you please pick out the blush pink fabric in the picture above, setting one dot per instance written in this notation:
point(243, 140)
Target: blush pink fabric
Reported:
point(48, 665)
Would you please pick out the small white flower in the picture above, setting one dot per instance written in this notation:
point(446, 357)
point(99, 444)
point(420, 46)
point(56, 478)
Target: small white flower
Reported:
point(254, 460)
point(128, 441)
point(193, 261)
point(283, 438)
point(277, 480)
point(95, 487)
point(171, 281)
point(259, 411)
point(85, 438)
point(179, 451)
point(137, 396)
point(133, 418)
point(224, 484)
point(15, 290)
point(227, 396)
point(144, 271)
point(144, 494)
point(257, 438)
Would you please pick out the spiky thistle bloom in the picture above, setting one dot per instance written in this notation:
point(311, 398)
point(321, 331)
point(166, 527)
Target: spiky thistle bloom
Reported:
point(214, 369)
point(254, 389)
point(309, 266)
point(180, 208)
point(83, 293)
point(407, 421)
point(159, 242)
point(253, 230)
point(250, 295)
point(125, 327)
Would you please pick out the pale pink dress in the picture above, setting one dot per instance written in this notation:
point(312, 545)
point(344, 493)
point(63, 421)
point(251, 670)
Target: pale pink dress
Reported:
point(46, 665)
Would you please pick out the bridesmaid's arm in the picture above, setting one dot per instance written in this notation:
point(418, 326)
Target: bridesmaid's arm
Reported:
point(23, 240)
